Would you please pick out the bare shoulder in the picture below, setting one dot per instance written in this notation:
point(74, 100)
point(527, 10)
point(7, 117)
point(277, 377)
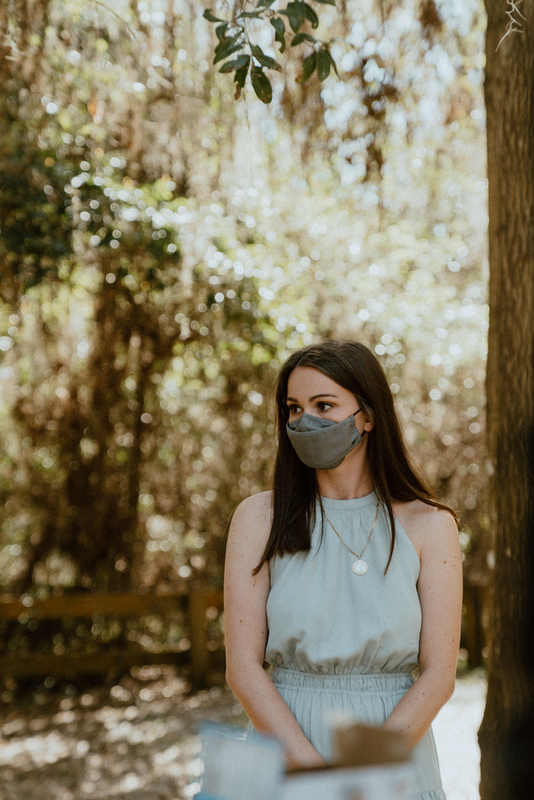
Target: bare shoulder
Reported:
point(251, 525)
point(257, 507)
point(427, 527)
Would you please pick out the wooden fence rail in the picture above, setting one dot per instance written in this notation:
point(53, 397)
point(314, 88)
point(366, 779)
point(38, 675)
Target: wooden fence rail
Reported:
point(194, 604)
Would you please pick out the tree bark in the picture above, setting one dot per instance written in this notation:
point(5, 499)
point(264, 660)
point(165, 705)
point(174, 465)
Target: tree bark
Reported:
point(509, 91)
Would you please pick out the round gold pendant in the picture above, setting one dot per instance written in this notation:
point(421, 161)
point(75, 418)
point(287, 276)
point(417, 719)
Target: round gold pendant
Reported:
point(359, 567)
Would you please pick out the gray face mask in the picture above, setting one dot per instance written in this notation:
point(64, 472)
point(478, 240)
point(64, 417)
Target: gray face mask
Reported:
point(323, 443)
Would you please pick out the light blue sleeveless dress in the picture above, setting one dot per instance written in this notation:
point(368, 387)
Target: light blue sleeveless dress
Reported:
point(345, 643)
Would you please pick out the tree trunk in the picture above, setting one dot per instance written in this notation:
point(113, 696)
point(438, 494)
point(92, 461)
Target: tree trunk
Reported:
point(509, 90)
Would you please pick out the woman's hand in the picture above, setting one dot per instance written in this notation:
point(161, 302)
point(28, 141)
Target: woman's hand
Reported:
point(293, 763)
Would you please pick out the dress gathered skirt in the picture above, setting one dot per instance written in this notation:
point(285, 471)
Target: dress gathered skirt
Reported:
point(341, 644)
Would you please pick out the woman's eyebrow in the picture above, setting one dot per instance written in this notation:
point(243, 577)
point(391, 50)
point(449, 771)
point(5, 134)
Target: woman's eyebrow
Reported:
point(315, 396)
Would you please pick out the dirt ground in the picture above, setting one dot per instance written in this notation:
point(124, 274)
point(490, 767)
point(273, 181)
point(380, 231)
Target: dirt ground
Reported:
point(137, 740)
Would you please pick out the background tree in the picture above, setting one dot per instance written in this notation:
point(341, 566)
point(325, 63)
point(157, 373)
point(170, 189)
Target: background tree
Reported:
point(509, 90)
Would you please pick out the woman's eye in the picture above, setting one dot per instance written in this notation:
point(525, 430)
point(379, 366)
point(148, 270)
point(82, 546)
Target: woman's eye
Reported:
point(293, 409)
point(324, 406)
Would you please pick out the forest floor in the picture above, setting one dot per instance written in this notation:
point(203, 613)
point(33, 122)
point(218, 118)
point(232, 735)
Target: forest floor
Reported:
point(137, 740)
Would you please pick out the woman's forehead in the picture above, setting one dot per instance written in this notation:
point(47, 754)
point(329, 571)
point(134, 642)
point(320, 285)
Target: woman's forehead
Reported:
point(308, 381)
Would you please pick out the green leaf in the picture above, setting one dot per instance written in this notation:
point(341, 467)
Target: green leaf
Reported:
point(302, 37)
point(278, 24)
point(228, 41)
point(280, 29)
point(324, 62)
point(308, 68)
point(326, 2)
point(262, 86)
point(295, 14)
point(265, 61)
point(297, 7)
point(227, 52)
point(237, 63)
point(220, 30)
point(241, 75)
point(253, 14)
point(333, 63)
point(210, 16)
point(264, 3)
point(294, 21)
point(310, 15)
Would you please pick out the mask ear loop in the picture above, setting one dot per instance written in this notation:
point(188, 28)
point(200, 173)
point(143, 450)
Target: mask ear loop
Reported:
point(357, 412)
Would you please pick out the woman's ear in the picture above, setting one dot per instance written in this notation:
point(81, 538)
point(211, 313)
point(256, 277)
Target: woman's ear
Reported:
point(369, 423)
point(369, 420)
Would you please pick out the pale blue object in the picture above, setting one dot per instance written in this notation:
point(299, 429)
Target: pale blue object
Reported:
point(237, 768)
point(341, 643)
point(202, 796)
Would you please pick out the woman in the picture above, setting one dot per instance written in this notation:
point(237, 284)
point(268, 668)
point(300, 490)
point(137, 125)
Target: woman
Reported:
point(346, 578)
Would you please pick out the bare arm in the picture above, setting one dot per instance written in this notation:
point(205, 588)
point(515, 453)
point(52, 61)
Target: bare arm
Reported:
point(245, 598)
point(435, 535)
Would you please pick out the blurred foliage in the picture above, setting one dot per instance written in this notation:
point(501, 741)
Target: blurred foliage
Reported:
point(246, 57)
point(164, 248)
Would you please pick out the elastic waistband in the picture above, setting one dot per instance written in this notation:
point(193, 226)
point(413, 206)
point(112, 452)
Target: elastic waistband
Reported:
point(371, 682)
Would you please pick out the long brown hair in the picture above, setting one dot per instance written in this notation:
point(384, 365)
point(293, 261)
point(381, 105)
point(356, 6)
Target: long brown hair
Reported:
point(295, 492)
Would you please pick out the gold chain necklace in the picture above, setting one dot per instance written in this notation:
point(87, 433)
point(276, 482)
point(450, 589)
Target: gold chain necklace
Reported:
point(359, 567)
